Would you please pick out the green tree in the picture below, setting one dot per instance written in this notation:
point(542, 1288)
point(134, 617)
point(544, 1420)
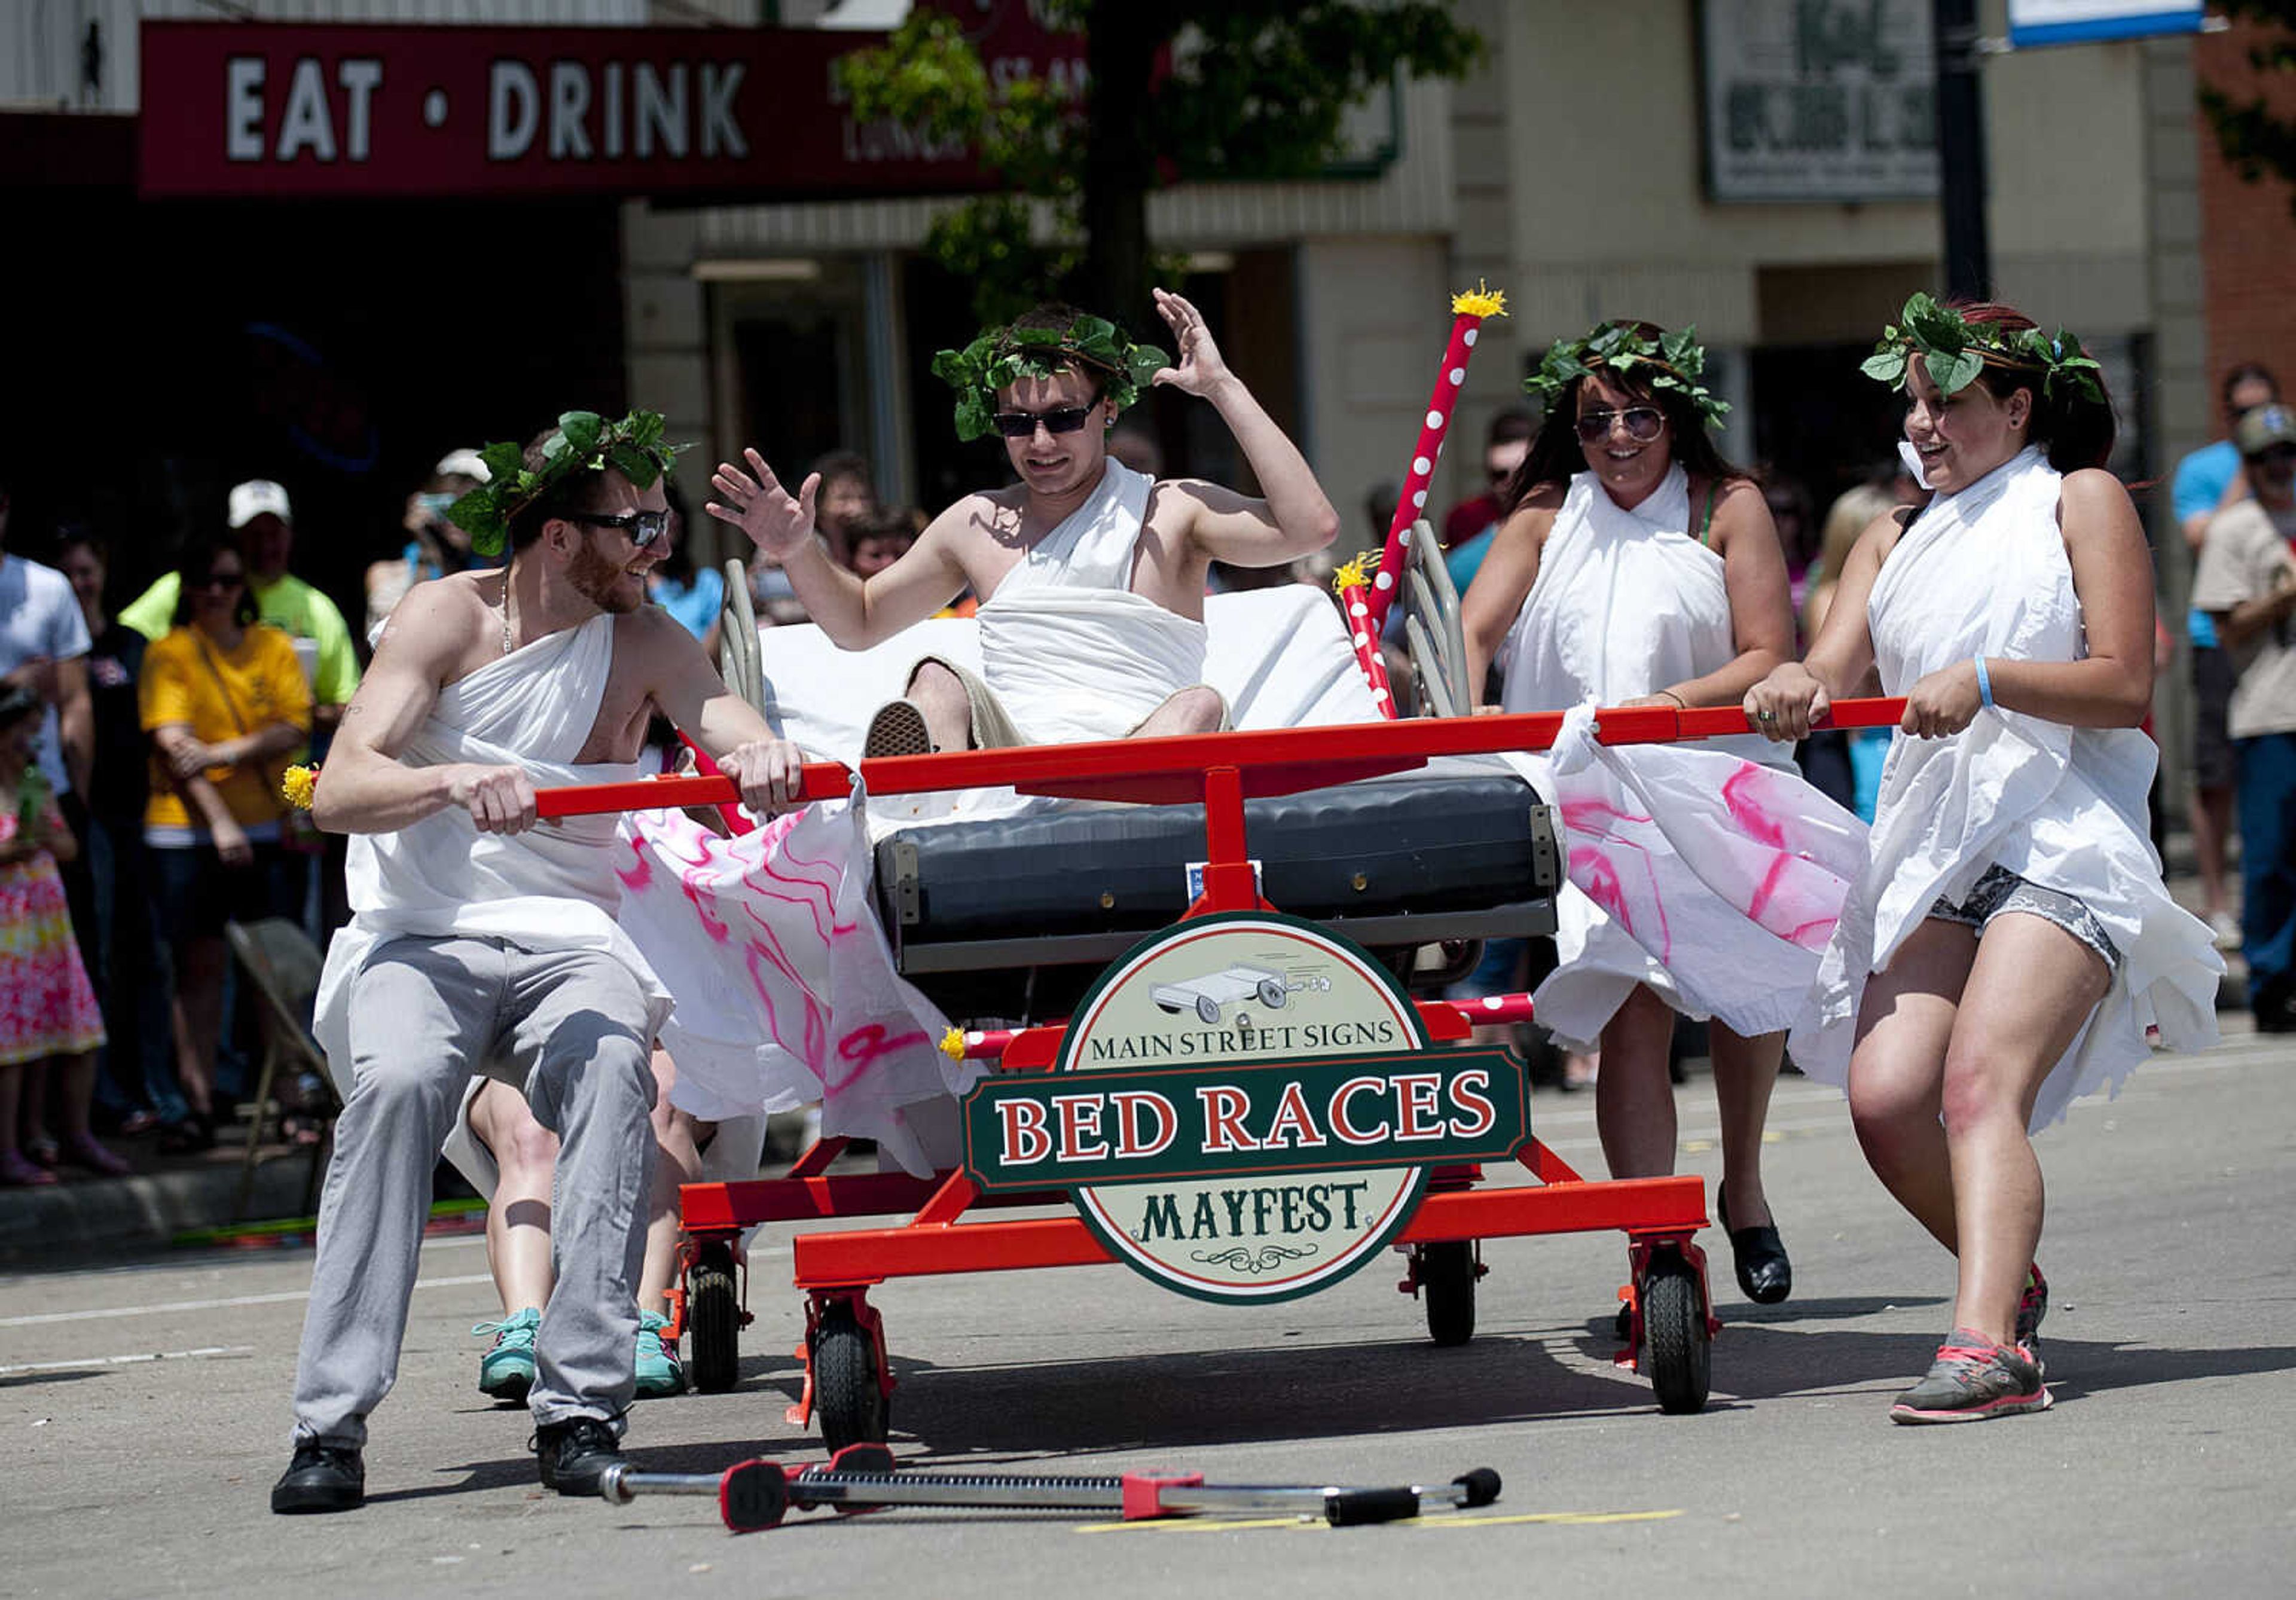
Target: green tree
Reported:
point(2252, 138)
point(1174, 89)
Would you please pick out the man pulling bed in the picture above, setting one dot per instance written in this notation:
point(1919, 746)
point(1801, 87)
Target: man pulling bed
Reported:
point(1091, 575)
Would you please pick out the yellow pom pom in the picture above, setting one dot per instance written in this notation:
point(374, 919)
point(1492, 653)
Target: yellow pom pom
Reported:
point(952, 1044)
point(298, 785)
point(1355, 573)
point(1482, 301)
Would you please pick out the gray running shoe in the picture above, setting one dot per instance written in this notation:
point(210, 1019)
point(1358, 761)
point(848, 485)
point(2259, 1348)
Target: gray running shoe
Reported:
point(2032, 1306)
point(1973, 1379)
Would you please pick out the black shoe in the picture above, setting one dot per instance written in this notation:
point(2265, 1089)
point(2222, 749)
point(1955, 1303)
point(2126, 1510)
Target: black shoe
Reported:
point(322, 1477)
point(576, 1453)
point(1765, 1275)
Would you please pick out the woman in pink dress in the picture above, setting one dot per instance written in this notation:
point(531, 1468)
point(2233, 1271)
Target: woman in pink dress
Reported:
point(47, 1008)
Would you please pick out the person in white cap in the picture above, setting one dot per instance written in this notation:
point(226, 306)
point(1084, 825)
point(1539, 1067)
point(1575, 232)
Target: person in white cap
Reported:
point(2246, 586)
point(261, 516)
point(434, 546)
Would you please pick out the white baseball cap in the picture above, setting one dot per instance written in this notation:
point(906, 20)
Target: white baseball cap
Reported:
point(258, 497)
point(463, 464)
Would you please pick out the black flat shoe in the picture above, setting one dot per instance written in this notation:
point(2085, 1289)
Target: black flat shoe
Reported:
point(1765, 1275)
point(322, 1477)
point(575, 1454)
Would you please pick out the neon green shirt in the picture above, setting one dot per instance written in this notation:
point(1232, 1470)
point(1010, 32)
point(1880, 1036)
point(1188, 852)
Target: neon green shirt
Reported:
point(288, 604)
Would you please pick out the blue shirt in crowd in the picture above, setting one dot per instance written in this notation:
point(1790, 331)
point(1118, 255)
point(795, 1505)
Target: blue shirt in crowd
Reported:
point(2201, 481)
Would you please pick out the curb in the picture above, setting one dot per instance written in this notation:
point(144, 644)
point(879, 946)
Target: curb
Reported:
point(90, 1223)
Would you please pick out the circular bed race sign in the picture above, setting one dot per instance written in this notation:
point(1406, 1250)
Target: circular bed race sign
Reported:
point(1244, 1109)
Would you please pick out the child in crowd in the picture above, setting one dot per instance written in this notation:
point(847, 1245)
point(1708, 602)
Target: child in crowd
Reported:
point(47, 1008)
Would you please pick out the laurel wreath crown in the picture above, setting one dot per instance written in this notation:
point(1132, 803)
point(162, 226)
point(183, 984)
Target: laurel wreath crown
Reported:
point(1001, 356)
point(1672, 361)
point(583, 442)
point(1953, 350)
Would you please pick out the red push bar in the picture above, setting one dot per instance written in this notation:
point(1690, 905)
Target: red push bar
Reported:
point(1170, 771)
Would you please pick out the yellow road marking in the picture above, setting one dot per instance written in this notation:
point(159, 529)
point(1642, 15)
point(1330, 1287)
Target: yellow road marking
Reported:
point(1315, 1523)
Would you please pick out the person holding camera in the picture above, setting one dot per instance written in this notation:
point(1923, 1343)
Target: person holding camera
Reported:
point(434, 546)
point(2246, 586)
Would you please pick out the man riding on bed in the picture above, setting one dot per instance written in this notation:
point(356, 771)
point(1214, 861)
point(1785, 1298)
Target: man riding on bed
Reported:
point(1091, 575)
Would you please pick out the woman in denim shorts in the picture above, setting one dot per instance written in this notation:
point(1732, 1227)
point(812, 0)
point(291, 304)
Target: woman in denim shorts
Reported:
point(2011, 941)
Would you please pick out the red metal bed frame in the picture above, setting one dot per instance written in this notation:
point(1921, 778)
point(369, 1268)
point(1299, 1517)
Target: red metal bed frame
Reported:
point(849, 1377)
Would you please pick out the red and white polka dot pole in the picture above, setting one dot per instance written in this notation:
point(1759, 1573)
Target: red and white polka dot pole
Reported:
point(1468, 311)
point(1355, 600)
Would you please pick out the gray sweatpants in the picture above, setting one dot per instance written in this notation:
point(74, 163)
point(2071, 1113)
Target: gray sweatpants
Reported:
point(426, 1014)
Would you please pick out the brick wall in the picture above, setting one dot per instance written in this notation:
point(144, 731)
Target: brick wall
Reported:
point(2248, 230)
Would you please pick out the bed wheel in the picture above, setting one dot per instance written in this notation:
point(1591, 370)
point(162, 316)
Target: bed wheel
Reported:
point(1446, 1272)
point(847, 1394)
point(713, 1317)
point(1677, 1344)
point(1208, 1009)
point(1272, 993)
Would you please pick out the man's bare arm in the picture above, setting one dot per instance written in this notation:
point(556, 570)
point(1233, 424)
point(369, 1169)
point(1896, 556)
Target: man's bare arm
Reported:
point(1296, 519)
point(365, 788)
point(727, 728)
point(854, 614)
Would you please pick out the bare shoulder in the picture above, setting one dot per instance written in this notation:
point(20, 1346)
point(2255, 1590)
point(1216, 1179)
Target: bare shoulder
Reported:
point(1882, 535)
point(652, 635)
point(2092, 503)
point(435, 619)
point(1534, 513)
point(1738, 505)
point(976, 514)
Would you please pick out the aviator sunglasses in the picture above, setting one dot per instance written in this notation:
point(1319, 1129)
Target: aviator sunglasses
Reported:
point(643, 526)
point(1644, 425)
point(1060, 419)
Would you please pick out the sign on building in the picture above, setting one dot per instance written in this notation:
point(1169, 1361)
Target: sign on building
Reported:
point(2081, 21)
point(291, 112)
point(1818, 100)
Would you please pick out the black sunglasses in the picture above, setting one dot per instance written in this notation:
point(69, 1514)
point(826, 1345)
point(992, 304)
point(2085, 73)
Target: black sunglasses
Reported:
point(1060, 419)
point(1643, 423)
point(643, 526)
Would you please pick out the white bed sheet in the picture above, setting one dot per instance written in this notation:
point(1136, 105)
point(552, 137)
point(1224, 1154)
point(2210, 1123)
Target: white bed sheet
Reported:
point(1280, 656)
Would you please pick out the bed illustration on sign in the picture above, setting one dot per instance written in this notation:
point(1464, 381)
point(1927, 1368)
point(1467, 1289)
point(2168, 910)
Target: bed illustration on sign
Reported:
point(1211, 994)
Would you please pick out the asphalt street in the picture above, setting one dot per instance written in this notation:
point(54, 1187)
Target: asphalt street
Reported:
point(144, 1411)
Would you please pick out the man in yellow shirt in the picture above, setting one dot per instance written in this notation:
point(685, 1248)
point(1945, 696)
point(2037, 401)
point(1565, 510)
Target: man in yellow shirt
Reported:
point(261, 517)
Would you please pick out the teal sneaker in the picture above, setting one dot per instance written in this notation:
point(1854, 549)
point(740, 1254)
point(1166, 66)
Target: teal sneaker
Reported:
point(507, 1371)
point(659, 1372)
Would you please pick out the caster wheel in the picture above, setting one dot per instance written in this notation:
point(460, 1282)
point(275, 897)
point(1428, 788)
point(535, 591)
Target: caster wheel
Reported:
point(846, 1395)
point(1446, 1286)
point(1677, 1347)
point(713, 1321)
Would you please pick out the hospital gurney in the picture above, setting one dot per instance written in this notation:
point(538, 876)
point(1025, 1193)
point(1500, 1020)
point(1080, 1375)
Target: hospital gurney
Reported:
point(1204, 847)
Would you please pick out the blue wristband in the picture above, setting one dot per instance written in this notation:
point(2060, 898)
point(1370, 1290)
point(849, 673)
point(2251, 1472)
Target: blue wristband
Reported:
point(1984, 684)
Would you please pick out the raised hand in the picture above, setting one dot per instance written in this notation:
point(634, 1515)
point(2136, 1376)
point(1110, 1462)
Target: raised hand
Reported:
point(778, 523)
point(1200, 366)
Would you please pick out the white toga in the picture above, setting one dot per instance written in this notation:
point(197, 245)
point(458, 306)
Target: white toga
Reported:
point(1984, 571)
point(550, 888)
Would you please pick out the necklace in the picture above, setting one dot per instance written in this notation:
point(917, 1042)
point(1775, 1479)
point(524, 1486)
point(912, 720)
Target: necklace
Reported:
point(505, 612)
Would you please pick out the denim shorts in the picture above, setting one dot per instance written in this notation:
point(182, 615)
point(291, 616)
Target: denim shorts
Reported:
point(2001, 890)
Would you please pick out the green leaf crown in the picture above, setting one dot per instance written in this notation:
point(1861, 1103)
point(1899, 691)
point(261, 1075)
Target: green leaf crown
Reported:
point(1953, 350)
point(1667, 361)
point(583, 442)
point(1002, 357)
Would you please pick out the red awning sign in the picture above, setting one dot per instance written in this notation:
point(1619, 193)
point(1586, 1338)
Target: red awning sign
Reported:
point(298, 112)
